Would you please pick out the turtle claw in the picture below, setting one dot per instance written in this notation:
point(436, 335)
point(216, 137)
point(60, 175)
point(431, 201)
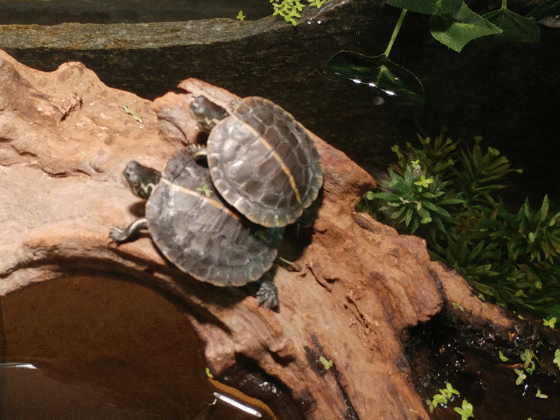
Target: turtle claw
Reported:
point(117, 234)
point(267, 295)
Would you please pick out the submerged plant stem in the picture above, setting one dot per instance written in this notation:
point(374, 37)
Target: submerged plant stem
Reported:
point(395, 33)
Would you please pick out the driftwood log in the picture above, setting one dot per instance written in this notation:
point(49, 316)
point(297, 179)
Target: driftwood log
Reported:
point(354, 287)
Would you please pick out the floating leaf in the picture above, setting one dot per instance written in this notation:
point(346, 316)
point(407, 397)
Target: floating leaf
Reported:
point(465, 411)
point(428, 7)
point(520, 376)
point(546, 10)
point(550, 21)
point(449, 391)
point(377, 72)
point(539, 394)
point(515, 28)
point(457, 29)
point(550, 323)
point(503, 358)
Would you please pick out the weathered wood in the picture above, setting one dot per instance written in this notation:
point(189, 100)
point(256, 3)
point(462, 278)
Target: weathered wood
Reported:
point(353, 288)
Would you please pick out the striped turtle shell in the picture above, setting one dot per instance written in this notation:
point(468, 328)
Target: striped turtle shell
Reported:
point(264, 163)
point(201, 234)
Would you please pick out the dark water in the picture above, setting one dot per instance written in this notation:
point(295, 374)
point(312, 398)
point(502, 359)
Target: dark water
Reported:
point(52, 12)
point(441, 352)
point(98, 348)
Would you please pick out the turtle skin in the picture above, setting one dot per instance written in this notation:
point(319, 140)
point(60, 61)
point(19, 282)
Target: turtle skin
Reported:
point(262, 161)
point(199, 232)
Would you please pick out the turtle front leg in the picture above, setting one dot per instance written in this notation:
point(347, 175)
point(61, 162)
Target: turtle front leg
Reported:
point(119, 234)
point(267, 295)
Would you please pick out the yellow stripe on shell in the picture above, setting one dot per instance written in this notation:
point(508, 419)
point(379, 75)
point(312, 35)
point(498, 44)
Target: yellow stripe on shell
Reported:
point(218, 204)
point(284, 168)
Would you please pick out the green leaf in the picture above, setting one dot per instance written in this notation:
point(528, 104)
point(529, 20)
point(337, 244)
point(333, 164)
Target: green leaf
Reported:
point(543, 211)
point(370, 195)
point(437, 209)
point(379, 73)
point(465, 411)
point(520, 376)
point(515, 28)
point(550, 323)
point(457, 29)
point(428, 7)
point(327, 364)
point(539, 394)
point(439, 224)
point(408, 216)
point(556, 360)
point(240, 16)
point(424, 214)
point(448, 201)
point(439, 399)
point(449, 391)
point(548, 9)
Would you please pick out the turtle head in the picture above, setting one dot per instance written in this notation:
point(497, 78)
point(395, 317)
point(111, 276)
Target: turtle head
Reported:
point(141, 179)
point(206, 113)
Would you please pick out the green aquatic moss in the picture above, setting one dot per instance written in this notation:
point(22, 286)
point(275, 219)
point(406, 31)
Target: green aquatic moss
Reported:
point(449, 197)
point(290, 10)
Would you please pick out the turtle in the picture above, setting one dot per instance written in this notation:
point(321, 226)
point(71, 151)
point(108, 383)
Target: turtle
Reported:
point(262, 161)
point(195, 229)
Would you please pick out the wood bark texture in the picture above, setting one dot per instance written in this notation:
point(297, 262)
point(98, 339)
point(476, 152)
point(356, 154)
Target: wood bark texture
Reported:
point(332, 350)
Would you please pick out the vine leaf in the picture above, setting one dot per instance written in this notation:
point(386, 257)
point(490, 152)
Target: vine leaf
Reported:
point(457, 29)
point(515, 28)
point(547, 13)
point(378, 72)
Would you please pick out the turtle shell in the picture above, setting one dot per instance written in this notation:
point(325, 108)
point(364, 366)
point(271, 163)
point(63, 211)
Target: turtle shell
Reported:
point(264, 163)
point(200, 233)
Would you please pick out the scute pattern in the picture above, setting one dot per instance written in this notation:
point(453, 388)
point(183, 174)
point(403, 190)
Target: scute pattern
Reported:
point(196, 230)
point(264, 164)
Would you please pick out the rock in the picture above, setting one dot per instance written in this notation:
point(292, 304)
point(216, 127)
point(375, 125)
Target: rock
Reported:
point(334, 347)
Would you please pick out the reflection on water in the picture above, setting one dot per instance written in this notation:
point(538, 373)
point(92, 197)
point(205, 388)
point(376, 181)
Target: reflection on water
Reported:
point(84, 348)
point(29, 394)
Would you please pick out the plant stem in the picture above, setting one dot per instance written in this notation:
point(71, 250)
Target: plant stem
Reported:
point(396, 32)
point(504, 4)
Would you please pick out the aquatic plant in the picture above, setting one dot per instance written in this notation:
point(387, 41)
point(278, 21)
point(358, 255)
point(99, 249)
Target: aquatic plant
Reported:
point(550, 323)
point(539, 394)
point(502, 357)
point(412, 199)
point(447, 395)
point(556, 360)
point(379, 72)
point(290, 10)
point(327, 363)
point(453, 24)
point(465, 411)
point(449, 197)
point(442, 397)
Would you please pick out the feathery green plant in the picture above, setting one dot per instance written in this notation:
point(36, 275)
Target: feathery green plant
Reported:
point(448, 197)
point(290, 10)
